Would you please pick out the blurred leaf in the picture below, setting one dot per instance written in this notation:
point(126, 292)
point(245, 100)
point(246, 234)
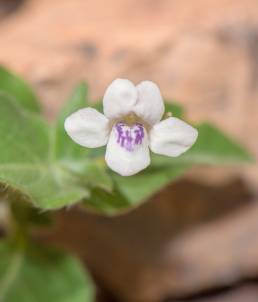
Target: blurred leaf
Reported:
point(97, 175)
point(143, 185)
point(65, 148)
point(98, 106)
point(106, 202)
point(129, 192)
point(17, 88)
point(175, 109)
point(42, 275)
point(92, 172)
point(212, 147)
point(73, 157)
point(25, 215)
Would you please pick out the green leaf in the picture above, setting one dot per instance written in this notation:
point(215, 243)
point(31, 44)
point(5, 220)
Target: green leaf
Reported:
point(24, 136)
point(24, 215)
point(73, 157)
point(64, 147)
point(98, 106)
point(175, 109)
point(18, 89)
point(38, 274)
point(142, 186)
point(26, 162)
point(212, 147)
point(41, 162)
point(105, 202)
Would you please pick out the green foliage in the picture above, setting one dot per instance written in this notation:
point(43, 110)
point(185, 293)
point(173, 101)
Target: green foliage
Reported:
point(26, 160)
point(73, 157)
point(40, 274)
point(26, 216)
point(14, 86)
point(143, 185)
point(107, 202)
point(175, 109)
point(41, 163)
point(212, 147)
point(65, 148)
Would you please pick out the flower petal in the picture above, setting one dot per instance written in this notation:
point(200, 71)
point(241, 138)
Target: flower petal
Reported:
point(127, 159)
point(87, 127)
point(172, 137)
point(119, 98)
point(150, 105)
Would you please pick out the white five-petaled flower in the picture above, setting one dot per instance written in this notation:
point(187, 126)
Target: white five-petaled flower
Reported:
point(130, 126)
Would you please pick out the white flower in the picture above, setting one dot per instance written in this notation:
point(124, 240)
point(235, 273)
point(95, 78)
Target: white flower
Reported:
point(130, 126)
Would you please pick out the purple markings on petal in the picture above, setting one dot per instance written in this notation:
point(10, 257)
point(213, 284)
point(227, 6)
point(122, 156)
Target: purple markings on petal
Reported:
point(129, 137)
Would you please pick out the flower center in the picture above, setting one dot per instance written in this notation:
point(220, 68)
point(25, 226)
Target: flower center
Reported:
point(129, 137)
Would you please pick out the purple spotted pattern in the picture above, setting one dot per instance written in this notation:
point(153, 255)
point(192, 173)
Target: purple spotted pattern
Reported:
point(129, 137)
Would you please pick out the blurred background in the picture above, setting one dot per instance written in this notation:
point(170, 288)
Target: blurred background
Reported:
point(198, 239)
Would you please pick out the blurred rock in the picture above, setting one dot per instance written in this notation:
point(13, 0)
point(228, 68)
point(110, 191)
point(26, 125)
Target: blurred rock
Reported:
point(8, 7)
point(189, 239)
point(243, 293)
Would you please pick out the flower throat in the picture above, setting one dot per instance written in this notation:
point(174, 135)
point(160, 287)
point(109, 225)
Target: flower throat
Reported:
point(129, 137)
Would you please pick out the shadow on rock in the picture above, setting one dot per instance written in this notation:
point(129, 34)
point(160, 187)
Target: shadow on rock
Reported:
point(189, 238)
